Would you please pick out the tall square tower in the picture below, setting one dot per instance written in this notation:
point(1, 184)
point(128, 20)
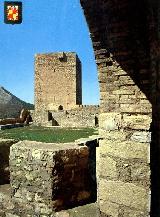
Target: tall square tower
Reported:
point(58, 81)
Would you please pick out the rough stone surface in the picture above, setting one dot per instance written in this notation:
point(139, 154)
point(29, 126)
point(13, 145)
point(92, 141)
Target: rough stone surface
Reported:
point(110, 121)
point(80, 116)
point(141, 137)
point(126, 194)
point(107, 167)
point(90, 210)
point(112, 209)
point(123, 168)
point(49, 177)
point(137, 122)
point(127, 149)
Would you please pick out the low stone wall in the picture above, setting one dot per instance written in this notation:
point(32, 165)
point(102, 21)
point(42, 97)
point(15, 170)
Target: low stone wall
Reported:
point(5, 145)
point(78, 116)
point(50, 177)
point(124, 165)
point(74, 119)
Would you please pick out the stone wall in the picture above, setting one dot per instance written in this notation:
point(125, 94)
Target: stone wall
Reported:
point(124, 165)
point(78, 116)
point(50, 177)
point(57, 81)
point(82, 116)
point(5, 145)
point(125, 41)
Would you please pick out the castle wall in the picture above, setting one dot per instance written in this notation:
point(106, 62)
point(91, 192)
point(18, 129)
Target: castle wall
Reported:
point(78, 116)
point(82, 117)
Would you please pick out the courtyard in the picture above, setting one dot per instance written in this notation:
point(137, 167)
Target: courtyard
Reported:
point(47, 134)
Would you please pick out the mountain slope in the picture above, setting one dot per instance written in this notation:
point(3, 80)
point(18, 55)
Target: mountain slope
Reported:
point(10, 105)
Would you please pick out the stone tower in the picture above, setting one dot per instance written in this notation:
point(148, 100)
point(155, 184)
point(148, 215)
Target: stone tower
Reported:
point(58, 82)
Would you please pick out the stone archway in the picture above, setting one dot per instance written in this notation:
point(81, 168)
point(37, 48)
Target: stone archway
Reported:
point(125, 40)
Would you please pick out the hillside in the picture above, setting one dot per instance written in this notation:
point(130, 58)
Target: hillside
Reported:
point(10, 105)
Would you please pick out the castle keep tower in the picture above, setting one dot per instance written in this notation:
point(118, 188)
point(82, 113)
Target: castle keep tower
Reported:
point(58, 82)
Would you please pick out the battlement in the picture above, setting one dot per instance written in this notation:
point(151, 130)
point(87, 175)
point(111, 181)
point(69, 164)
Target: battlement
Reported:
point(57, 59)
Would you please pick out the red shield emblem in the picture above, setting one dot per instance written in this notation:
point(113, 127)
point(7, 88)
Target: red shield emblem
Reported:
point(12, 12)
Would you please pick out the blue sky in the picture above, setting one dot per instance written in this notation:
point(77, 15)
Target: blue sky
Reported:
point(48, 26)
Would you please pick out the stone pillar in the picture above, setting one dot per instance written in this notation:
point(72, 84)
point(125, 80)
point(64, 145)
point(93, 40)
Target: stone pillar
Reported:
point(123, 169)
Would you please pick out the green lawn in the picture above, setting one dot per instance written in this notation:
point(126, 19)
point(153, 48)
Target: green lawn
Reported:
point(44, 134)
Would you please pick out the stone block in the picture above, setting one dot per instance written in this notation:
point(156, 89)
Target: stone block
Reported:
point(137, 122)
point(124, 91)
point(141, 137)
point(134, 171)
point(110, 121)
point(126, 149)
point(109, 208)
point(141, 173)
point(120, 72)
point(136, 108)
point(114, 135)
point(126, 212)
point(126, 80)
point(107, 168)
point(126, 194)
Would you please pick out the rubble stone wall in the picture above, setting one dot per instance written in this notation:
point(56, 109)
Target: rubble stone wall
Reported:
point(46, 177)
point(70, 119)
point(86, 116)
point(78, 116)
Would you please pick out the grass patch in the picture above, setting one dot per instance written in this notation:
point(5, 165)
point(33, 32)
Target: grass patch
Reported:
point(44, 134)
